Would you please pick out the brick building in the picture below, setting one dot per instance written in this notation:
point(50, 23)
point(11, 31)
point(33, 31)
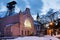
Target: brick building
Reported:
point(21, 24)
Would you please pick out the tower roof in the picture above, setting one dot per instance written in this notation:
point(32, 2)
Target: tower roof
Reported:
point(37, 15)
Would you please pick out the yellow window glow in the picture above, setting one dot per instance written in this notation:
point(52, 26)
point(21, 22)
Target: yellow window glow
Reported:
point(27, 23)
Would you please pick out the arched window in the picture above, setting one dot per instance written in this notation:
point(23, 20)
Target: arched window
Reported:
point(27, 23)
point(22, 32)
point(28, 32)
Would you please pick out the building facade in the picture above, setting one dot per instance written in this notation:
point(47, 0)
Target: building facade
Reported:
point(21, 24)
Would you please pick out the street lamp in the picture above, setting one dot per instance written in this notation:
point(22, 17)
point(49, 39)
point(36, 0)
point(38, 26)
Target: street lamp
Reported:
point(52, 25)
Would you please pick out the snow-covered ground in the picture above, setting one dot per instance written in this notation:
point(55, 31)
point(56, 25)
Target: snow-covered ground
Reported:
point(35, 38)
point(57, 36)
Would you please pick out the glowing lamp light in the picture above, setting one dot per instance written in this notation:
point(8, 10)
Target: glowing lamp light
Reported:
point(51, 23)
point(27, 23)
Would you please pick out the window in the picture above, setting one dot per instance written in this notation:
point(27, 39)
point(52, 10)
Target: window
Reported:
point(28, 32)
point(27, 23)
point(25, 32)
point(22, 32)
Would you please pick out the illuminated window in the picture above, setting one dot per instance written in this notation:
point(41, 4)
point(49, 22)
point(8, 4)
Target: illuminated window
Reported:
point(27, 23)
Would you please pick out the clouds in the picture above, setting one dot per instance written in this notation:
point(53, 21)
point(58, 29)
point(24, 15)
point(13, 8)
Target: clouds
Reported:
point(22, 4)
point(12, 0)
point(27, 3)
point(47, 4)
point(34, 17)
point(36, 5)
point(17, 9)
point(2, 7)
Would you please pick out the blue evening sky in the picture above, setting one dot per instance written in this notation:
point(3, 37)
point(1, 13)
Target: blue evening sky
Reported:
point(36, 6)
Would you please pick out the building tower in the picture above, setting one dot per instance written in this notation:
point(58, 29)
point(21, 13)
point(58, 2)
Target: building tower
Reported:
point(38, 18)
point(38, 25)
